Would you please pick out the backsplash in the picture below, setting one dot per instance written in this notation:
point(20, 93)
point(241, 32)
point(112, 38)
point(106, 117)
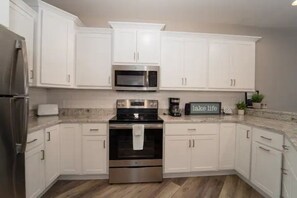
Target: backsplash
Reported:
point(37, 96)
point(106, 99)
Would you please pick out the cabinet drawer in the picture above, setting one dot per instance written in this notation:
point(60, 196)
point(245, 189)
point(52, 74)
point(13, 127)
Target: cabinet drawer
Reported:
point(268, 138)
point(191, 129)
point(94, 129)
point(34, 139)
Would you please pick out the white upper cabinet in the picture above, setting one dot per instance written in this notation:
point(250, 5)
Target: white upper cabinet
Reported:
point(93, 58)
point(21, 21)
point(4, 13)
point(231, 65)
point(136, 43)
point(55, 42)
point(184, 59)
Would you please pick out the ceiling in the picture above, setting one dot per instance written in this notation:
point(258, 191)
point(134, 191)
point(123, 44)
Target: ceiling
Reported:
point(260, 13)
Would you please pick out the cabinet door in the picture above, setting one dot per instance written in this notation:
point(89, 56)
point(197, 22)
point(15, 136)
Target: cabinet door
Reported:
point(94, 155)
point(205, 153)
point(243, 66)
point(54, 50)
point(148, 47)
point(70, 149)
point(4, 13)
point(52, 154)
point(219, 65)
point(294, 184)
point(243, 150)
point(93, 60)
point(22, 23)
point(124, 46)
point(266, 169)
point(195, 63)
point(227, 146)
point(172, 66)
point(177, 154)
point(286, 179)
point(34, 165)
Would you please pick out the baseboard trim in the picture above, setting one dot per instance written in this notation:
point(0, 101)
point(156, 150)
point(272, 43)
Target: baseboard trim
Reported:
point(83, 177)
point(197, 174)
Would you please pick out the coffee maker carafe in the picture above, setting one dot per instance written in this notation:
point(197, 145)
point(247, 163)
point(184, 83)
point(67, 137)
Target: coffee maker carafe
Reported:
point(174, 109)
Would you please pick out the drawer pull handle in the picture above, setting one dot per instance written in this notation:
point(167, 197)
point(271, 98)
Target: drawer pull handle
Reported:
point(248, 134)
point(263, 137)
point(49, 136)
point(32, 141)
point(285, 147)
point(43, 155)
point(264, 149)
point(94, 129)
point(189, 143)
point(193, 143)
point(191, 129)
point(104, 144)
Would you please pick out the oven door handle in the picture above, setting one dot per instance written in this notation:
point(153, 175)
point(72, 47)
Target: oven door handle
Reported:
point(130, 126)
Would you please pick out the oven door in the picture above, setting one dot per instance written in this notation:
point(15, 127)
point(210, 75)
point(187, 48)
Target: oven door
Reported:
point(121, 153)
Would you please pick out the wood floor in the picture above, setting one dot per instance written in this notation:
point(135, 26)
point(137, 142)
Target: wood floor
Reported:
point(201, 187)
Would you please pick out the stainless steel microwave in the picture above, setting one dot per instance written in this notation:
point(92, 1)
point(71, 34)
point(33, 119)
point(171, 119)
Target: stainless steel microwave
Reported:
point(135, 78)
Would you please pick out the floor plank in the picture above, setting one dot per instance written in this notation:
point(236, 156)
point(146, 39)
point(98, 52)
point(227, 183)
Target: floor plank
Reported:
point(200, 187)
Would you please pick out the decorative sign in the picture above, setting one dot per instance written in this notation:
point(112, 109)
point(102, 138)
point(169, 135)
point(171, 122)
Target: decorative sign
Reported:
point(203, 108)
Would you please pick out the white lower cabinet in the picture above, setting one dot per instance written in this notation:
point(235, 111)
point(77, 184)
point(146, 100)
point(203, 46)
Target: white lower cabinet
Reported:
point(70, 149)
point(243, 150)
point(191, 153)
point(52, 154)
point(266, 169)
point(34, 170)
point(227, 146)
point(94, 158)
point(289, 181)
point(177, 154)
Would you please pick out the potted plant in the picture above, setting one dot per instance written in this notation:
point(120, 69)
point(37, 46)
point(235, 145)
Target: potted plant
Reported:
point(257, 99)
point(241, 106)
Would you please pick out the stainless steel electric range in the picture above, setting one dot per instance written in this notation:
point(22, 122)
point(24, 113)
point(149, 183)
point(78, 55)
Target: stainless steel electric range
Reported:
point(125, 164)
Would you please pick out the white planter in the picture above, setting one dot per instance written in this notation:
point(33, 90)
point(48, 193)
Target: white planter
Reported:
point(256, 105)
point(240, 112)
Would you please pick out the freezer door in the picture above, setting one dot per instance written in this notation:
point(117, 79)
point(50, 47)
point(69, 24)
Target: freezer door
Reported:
point(13, 64)
point(13, 137)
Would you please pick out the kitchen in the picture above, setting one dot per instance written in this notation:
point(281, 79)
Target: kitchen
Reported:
point(110, 69)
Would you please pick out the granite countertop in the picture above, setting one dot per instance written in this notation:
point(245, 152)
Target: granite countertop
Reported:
point(288, 128)
point(38, 123)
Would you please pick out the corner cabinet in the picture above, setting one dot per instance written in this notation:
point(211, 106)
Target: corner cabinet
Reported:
point(55, 42)
point(93, 58)
point(184, 59)
point(232, 65)
point(243, 150)
point(22, 21)
point(4, 13)
point(136, 43)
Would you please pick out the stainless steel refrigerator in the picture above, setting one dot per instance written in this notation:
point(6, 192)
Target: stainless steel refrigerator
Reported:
point(14, 108)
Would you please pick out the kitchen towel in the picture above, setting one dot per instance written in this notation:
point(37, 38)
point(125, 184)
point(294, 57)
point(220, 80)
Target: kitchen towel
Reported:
point(138, 136)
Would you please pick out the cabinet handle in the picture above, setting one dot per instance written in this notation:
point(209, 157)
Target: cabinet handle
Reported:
point(193, 143)
point(247, 134)
point(137, 56)
point(186, 81)
point(68, 77)
point(231, 82)
point(189, 143)
point(134, 56)
point(264, 149)
point(32, 141)
point(284, 171)
point(191, 129)
point(49, 136)
point(182, 81)
point(234, 82)
point(285, 147)
point(104, 144)
point(109, 80)
point(94, 129)
point(263, 137)
point(31, 74)
point(43, 155)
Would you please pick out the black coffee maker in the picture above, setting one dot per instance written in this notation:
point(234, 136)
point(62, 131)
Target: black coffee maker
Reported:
point(174, 109)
